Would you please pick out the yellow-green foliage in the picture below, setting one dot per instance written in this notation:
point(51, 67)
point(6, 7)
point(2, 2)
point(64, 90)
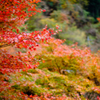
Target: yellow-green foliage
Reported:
point(45, 81)
point(56, 63)
point(51, 23)
point(73, 35)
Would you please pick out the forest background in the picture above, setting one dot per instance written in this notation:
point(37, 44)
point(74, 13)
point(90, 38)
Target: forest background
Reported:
point(80, 16)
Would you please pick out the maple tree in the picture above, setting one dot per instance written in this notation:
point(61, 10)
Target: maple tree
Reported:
point(14, 13)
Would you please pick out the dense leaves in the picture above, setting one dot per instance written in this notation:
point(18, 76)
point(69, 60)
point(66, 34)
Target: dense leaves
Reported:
point(55, 71)
point(13, 13)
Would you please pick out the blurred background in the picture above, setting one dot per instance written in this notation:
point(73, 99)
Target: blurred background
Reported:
point(78, 20)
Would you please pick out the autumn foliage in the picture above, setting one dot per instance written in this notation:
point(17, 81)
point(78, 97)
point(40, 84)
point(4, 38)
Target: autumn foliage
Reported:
point(53, 56)
point(13, 14)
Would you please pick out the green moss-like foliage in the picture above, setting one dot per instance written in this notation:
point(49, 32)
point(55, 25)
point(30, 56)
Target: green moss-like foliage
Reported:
point(48, 82)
